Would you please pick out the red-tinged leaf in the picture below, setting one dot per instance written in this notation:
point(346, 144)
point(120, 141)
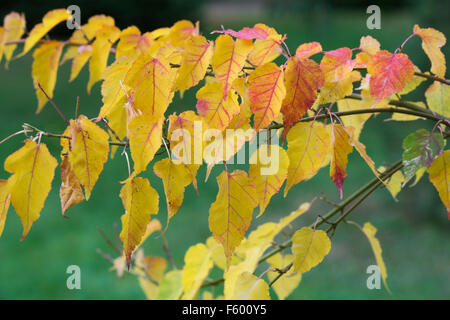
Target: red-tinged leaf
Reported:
point(266, 92)
point(229, 59)
point(196, 58)
point(340, 149)
point(389, 73)
point(302, 79)
point(259, 31)
point(337, 64)
point(307, 50)
point(213, 108)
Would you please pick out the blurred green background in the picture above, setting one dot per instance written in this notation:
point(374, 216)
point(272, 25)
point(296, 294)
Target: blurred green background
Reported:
point(414, 232)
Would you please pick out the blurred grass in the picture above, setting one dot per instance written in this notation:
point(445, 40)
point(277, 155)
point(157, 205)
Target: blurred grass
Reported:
point(413, 232)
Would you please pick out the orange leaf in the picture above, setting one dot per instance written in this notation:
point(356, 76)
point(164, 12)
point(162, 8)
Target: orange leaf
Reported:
point(266, 92)
point(389, 73)
point(302, 79)
point(307, 50)
point(337, 64)
point(432, 42)
point(70, 191)
point(340, 149)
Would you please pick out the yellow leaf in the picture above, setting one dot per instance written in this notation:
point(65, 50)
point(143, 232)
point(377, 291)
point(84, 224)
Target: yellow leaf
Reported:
point(265, 51)
point(268, 172)
point(181, 31)
point(432, 41)
point(214, 108)
point(89, 152)
point(369, 230)
point(145, 135)
point(254, 246)
point(438, 98)
point(170, 287)
point(150, 289)
point(13, 28)
point(369, 45)
point(218, 254)
point(197, 264)
point(414, 83)
point(196, 57)
point(361, 148)
point(335, 90)
point(103, 42)
point(394, 183)
point(70, 191)
point(32, 168)
point(230, 215)
point(356, 120)
point(140, 200)
point(340, 149)
point(175, 177)
point(151, 82)
point(153, 226)
point(308, 147)
point(229, 59)
point(112, 91)
point(5, 199)
point(250, 287)
point(186, 139)
point(84, 52)
point(287, 282)
point(439, 175)
point(45, 69)
point(132, 43)
point(266, 93)
point(153, 267)
point(51, 19)
point(309, 248)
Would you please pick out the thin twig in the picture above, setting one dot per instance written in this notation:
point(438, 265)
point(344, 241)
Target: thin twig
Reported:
point(167, 251)
point(54, 105)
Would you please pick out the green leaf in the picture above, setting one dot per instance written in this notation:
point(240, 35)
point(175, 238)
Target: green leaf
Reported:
point(419, 150)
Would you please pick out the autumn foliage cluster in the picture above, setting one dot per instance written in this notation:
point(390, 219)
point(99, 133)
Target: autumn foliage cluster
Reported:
point(312, 106)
